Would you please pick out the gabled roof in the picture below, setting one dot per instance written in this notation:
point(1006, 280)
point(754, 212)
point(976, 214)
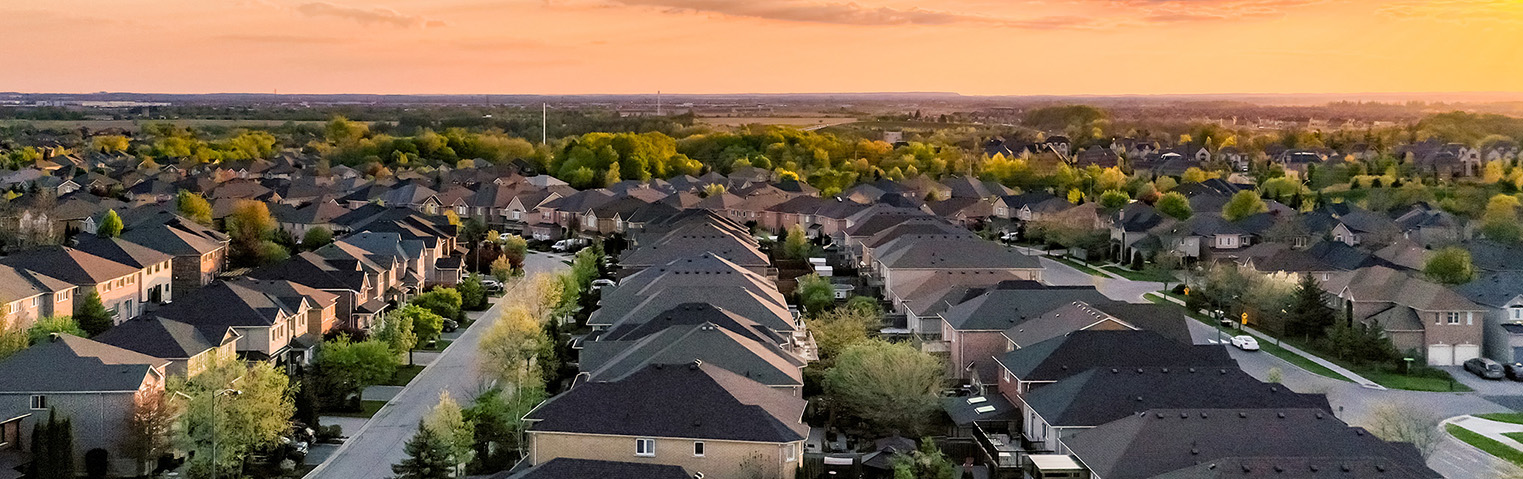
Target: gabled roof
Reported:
point(69, 264)
point(567, 468)
point(951, 251)
point(685, 334)
point(165, 338)
point(68, 363)
point(175, 235)
point(1102, 395)
point(121, 251)
point(18, 284)
point(1386, 285)
point(1493, 289)
point(1179, 443)
point(1013, 303)
point(1065, 356)
point(694, 401)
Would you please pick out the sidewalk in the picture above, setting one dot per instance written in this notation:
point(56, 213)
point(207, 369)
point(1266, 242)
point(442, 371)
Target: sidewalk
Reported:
point(1361, 380)
point(1491, 429)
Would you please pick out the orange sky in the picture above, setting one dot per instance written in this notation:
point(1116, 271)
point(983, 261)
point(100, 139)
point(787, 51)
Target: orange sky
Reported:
point(1014, 47)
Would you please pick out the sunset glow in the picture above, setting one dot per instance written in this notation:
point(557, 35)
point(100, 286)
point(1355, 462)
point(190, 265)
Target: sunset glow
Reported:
point(992, 47)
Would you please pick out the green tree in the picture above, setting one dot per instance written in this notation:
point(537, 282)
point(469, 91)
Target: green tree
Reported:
point(796, 245)
point(250, 227)
point(110, 225)
point(449, 425)
point(1114, 199)
point(13, 339)
point(502, 268)
point(444, 302)
point(428, 457)
point(510, 347)
point(52, 448)
point(194, 206)
point(1174, 205)
point(150, 429)
point(1500, 221)
point(928, 462)
point(891, 387)
point(473, 296)
point(1451, 265)
point(835, 330)
point(249, 420)
point(815, 293)
point(1242, 205)
point(93, 316)
point(316, 237)
point(1309, 316)
point(515, 249)
point(45, 327)
point(343, 368)
point(396, 330)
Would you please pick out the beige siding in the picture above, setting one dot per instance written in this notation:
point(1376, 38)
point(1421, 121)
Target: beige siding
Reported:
point(721, 459)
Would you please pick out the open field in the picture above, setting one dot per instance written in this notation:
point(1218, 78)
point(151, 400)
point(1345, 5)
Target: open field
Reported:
point(135, 125)
point(801, 121)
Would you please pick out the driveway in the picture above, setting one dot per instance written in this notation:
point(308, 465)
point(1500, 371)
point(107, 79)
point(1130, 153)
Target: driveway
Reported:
point(370, 451)
point(1487, 387)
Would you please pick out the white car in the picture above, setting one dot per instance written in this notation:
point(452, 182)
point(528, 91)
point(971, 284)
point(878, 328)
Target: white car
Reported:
point(1245, 342)
point(601, 283)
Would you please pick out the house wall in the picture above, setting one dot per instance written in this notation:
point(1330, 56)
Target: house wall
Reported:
point(195, 271)
point(977, 347)
point(158, 276)
point(24, 312)
point(122, 296)
point(1470, 330)
point(322, 320)
point(100, 420)
point(721, 459)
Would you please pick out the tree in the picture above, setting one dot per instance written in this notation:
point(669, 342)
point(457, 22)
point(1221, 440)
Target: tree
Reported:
point(1500, 221)
point(502, 268)
point(835, 330)
point(343, 368)
point(544, 294)
point(515, 249)
point(1242, 205)
point(815, 293)
point(316, 237)
point(1450, 265)
point(444, 302)
point(450, 426)
point(52, 448)
point(865, 305)
point(396, 331)
point(496, 425)
point(428, 457)
point(253, 419)
point(1403, 423)
point(796, 245)
point(1174, 205)
point(150, 428)
point(1194, 175)
point(510, 346)
point(473, 296)
point(110, 225)
point(46, 326)
point(13, 339)
point(928, 462)
point(250, 227)
point(1114, 199)
point(92, 315)
point(194, 206)
point(891, 387)
point(1309, 315)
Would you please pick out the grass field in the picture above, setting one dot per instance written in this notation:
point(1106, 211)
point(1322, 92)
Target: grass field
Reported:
point(404, 375)
point(1491, 446)
point(1508, 417)
point(367, 410)
point(1153, 276)
point(800, 121)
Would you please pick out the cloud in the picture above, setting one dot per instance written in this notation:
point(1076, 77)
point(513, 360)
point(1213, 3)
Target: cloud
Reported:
point(803, 11)
point(1458, 11)
point(1181, 11)
point(281, 39)
point(367, 16)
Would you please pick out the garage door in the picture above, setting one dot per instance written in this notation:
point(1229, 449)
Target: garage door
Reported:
point(1465, 352)
point(1440, 355)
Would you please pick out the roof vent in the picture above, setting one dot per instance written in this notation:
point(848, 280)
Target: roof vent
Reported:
point(1242, 415)
point(1281, 415)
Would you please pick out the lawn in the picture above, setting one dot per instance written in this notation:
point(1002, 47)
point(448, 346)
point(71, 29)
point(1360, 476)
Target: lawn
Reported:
point(1516, 436)
point(1394, 380)
point(438, 345)
point(1491, 446)
point(367, 410)
point(1266, 346)
point(1079, 266)
point(404, 375)
point(1507, 417)
point(1152, 276)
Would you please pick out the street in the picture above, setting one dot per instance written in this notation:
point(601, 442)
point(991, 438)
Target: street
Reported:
point(370, 451)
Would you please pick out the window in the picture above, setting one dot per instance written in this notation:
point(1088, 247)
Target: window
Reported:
point(1517, 313)
point(36, 300)
point(790, 453)
point(39, 402)
point(1454, 318)
point(645, 447)
point(60, 297)
point(698, 448)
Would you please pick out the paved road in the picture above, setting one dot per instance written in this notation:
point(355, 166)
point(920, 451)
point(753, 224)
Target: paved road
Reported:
point(1059, 274)
point(371, 451)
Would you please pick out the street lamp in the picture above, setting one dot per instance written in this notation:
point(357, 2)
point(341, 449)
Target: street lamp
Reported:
point(219, 393)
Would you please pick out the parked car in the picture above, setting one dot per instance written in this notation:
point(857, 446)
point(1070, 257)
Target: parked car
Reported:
point(1514, 371)
point(598, 284)
point(1485, 368)
point(1245, 342)
point(491, 284)
point(450, 326)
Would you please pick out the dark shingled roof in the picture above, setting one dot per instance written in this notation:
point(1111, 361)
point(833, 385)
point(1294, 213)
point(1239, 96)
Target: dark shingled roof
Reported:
point(1102, 395)
point(1059, 358)
point(1179, 443)
point(1014, 302)
point(567, 468)
point(687, 401)
point(160, 338)
point(71, 363)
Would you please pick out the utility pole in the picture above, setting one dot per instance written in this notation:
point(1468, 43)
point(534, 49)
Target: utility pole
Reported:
point(658, 102)
point(544, 132)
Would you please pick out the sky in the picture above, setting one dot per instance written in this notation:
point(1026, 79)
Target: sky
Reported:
point(974, 47)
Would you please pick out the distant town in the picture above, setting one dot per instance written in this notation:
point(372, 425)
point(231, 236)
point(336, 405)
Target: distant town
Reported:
point(907, 286)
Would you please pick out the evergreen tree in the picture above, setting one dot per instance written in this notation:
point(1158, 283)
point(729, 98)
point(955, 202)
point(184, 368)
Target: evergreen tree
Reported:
point(1308, 315)
point(428, 457)
point(52, 449)
point(92, 315)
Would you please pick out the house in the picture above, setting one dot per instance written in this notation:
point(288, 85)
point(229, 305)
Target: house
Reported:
point(1131, 232)
point(910, 263)
point(702, 278)
point(96, 385)
point(360, 300)
point(200, 252)
point(1056, 359)
point(1420, 317)
point(1212, 442)
point(695, 332)
point(973, 330)
point(1098, 396)
point(158, 282)
point(563, 468)
point(268, 316)
point(188, 348)
point(688, 234)
point(700, 417)
point(120, 286)
point(27, 296)
point(1501, 293)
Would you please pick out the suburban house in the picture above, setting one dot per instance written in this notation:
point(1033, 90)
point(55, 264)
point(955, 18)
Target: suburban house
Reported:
point(272, 319)
point(200, 252)
point(1420, 317)
point(26, 296)
point(695, 332)
point(158, 280)
point(120, 286)
point(96, 385)
point(973, 330)
point(1501, 294)
point(708, 420)
point(1053, 360)
point(360, 301)
point(702, 278)
point(188, 348)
